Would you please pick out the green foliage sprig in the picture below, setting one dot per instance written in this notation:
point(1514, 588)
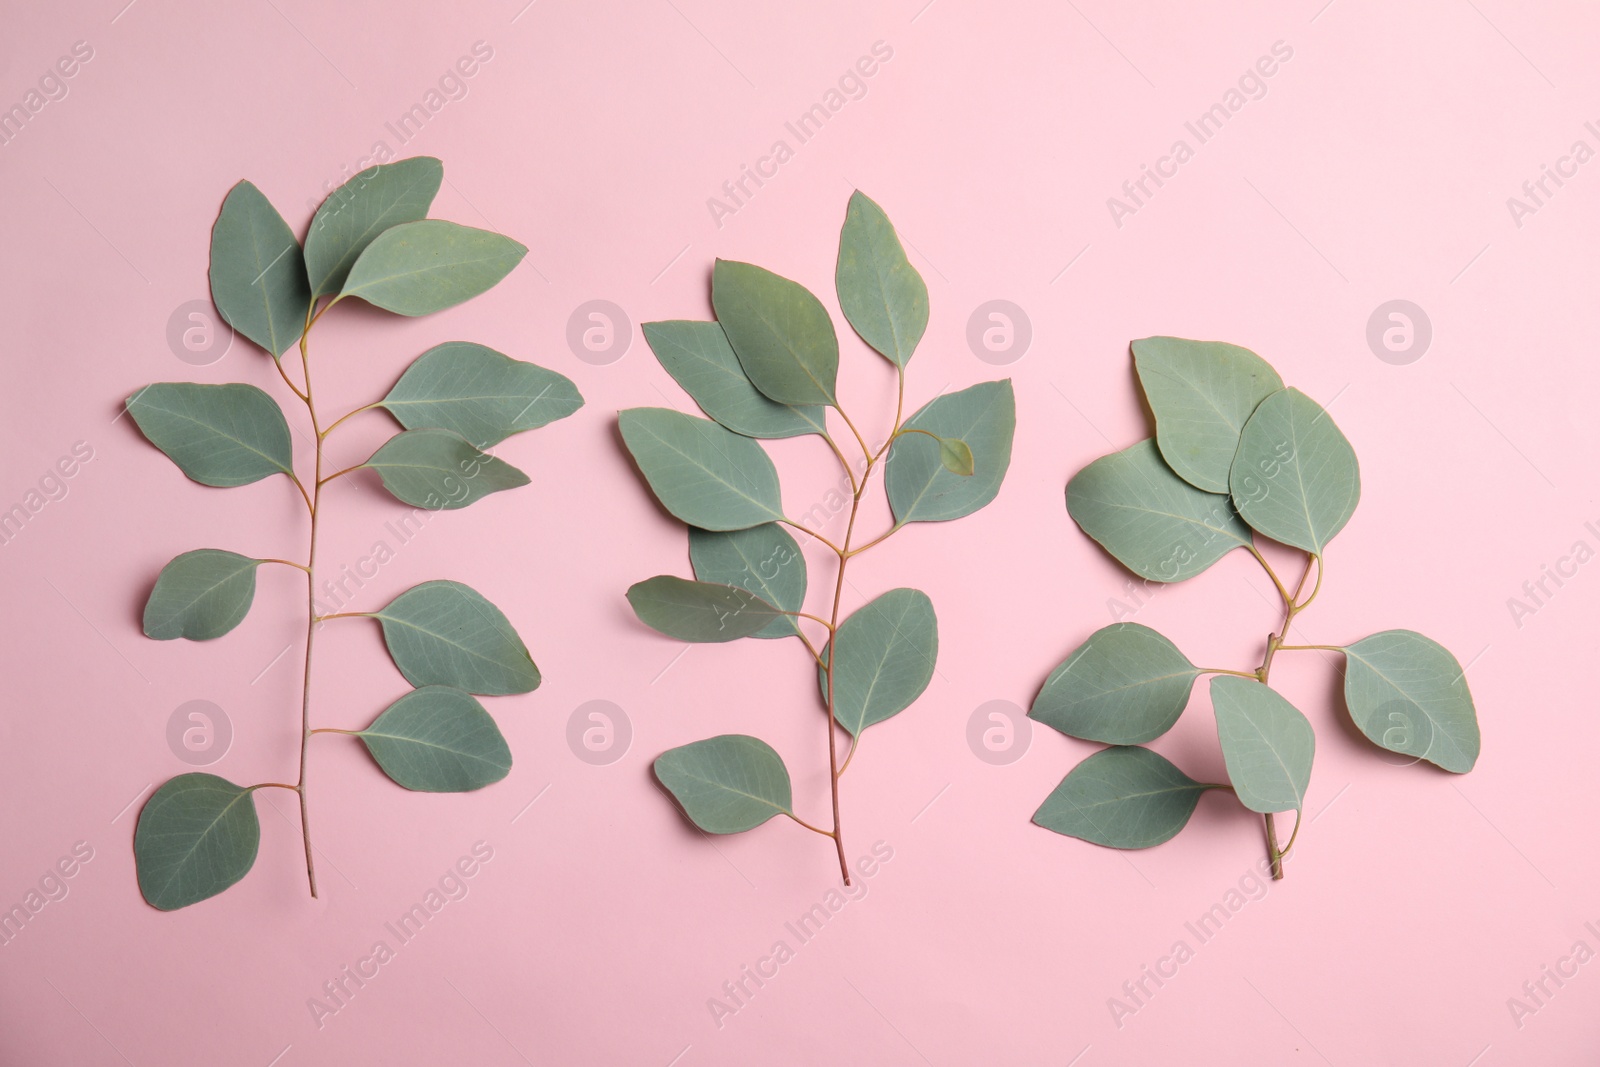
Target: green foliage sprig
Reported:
point(1236, 455)
point(198, 833)
point(767, 368)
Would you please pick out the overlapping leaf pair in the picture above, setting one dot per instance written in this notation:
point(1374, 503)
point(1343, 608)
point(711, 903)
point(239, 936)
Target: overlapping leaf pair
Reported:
point(1235, 455)
point(767, 368)
point(198, 833)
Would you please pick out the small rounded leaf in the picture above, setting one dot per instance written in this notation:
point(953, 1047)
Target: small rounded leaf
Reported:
point(1122, 798)
point(918, 476)
point(200, 595)
point(219, 435)
point(476, 392)
point(446, 633)
point(1409, 695)
point(197, 835)
point(700, 611)
point(440, 470)
point(727, 784)
point(705, 475)
point(438, 740)
point(1126, 685)
point(1266, 743)
point(781, 333)
point(417, 268)
point(1295, 477)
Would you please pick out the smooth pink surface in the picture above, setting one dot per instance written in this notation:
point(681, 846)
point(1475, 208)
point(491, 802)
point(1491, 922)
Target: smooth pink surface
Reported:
point(1377, 166)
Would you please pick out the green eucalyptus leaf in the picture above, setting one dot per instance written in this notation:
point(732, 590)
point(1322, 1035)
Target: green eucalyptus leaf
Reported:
point(727, 784)
point(956, 456)
point(1266, 743)
point(479, 393)
point(200, 595)
point(700, 611)
point(1122, 798)
point(1126, 685)
point(1202, 393)
point(446, 633)
point(781, 333)
point(221, 435)
point(920, 486)
point(764, 559)
point(440, 470)
point(258, 275)
point(887, 650)
point(699, 358)
point(705, 475)
point(197, 835)
point(417, 268)
point(438, 740)
point(880, 292)
point(1409, 695)
point(1155, 523)
point(1295, 477)
point(358, 211)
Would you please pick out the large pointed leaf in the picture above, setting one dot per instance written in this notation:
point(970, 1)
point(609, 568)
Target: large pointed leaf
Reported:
point(1409, 694)
point(1202, 393)
point(417, 268)
point(880, 292)
point(700, 611)
point(1266, 743)
point(222, 435)
point(705, 475)
point(781, 333)
point(699, 358)
point(258, 276)
point(763, 559)
point(200, 595)
point(727, 784)
point(197, 835)
point(479, 393)
point(920, 487)
point(440, 470)
point(1155, 523)
point(359, 210)
point(445, 633)
point(1126, 685)
point(438, 740)
point(1122, 798)
point(1295, 478)
point(887, 650)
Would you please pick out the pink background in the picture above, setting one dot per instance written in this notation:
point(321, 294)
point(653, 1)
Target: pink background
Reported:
point(1376, 167)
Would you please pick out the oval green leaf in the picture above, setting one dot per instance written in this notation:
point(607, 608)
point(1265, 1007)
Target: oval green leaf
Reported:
point(781, 333)
point(354, 214)
point(1201, 393)
point(880, 292)
point(705, 475)
point(1266, 743)
point(446, 633)
point(197, 835)
point(887, 650)
point(438, 740)
point(1154, 523)
point(920, 487)
point(221, 435)
point(955, 455)
point(440, 470)
point(476, 392)
point(700, 611)
point(727, 784)
point(258, 275)
point(1295, 478)
point(200, 595)
point(1126, 685)
point(1122, 798)
point(1409, 694)
point(417, 268)
point(763, 559)
point(699, 358)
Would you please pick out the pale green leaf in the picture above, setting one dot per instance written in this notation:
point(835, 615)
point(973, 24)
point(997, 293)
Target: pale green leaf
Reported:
point(1266, 743)
point(359, 210)
point(887, 650)
point(1155, 523)
point(700, 611)
point(200, 595)
point(258, 275)
point(1122, 798)
point(440, 470)
point(197, 835)
point(221, 435)
point(1409, 695)
point(417, 268)
point(438, 740)
point(445, 633)
point(699, 358)
point(781, 333)
point(1295, 477)
point(764, 559)
point(956, 456)
point(1201, 393)
point(880, 292)
point(705, 475)
point(920, 487)
point(479, 393)
point(1126, 685)
point(727, 784)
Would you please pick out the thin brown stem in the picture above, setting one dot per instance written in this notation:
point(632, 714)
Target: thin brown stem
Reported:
point(1291, 608)
point(813, 618)
point(311, 508)
point(865, 451)
point(295, 389)
point(342, 615)
point(349, 414)
point(808, 826)
point(311, 611)
point(1224, 670)
point(1309, 648)
point(1284, 593)
point(287, 563)
point(332, 730)
point(843, 462)
point(336, 474)
point(814, 535)
point(274, 785)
